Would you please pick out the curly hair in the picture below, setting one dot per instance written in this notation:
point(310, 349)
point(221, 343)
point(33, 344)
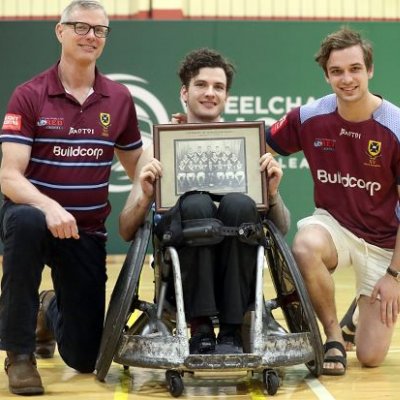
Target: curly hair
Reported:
point(342, 39)
point(204, 58)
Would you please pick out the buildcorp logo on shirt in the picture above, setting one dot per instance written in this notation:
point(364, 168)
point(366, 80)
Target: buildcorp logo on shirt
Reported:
point(348, 181)
point(79, 151)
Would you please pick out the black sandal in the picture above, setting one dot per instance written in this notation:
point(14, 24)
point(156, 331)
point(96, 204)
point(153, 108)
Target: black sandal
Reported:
point(335, 359)
point(347, 324)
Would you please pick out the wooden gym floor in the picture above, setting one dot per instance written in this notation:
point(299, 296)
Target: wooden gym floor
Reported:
point(63, 383)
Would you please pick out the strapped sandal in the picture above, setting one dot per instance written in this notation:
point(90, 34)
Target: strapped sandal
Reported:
point(347, 324)
point(335, 359)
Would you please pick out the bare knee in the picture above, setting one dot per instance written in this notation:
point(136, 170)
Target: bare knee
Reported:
point(303, 247)
point(372, 337)
point(306, 250)
point(370, 359)
point(371, 350)
point(312, 247)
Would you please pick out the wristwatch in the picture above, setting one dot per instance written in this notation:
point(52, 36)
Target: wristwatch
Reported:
point(394, 273)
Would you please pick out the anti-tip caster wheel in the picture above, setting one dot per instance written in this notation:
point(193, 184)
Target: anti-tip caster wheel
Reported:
point(174, 383)
point(271, 381)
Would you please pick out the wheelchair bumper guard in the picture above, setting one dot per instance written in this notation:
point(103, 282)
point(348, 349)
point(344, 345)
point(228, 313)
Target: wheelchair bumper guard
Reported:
point(160, 351)
point(156, 351)
point(285, 350)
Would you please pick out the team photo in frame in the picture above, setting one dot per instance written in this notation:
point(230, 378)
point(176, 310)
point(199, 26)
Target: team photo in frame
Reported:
point(219, 158)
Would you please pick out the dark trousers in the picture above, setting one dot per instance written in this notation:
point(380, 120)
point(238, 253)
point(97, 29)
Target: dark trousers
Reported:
point(219, 279)
point(78, 270)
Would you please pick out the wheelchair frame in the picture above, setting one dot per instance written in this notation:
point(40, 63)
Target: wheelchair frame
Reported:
point(153, 341)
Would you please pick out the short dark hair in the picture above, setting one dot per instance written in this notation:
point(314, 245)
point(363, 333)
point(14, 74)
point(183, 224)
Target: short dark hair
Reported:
point(342, 39)
point(204, 58)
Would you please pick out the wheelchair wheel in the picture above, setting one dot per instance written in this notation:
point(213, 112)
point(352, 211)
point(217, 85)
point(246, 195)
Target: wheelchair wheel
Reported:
point(122, 297)
point(292, 295)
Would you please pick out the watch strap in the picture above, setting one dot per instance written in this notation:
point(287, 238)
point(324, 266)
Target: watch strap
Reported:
point(394, 273)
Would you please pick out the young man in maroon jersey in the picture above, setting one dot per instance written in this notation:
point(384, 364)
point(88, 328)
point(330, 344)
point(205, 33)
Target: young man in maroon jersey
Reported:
point(351, 141)
point(58, 140)
point(217, 280)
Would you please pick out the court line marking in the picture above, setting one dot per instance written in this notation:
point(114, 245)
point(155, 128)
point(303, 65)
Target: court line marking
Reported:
point(319, 389)
point(255, 393)
point(315, 385)
point(122, 390)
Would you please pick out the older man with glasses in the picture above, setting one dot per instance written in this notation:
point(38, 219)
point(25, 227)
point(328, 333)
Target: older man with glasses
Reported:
point(59, 136)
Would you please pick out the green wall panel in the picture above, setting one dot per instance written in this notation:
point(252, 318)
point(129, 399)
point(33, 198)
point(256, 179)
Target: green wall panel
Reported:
point(275, 71)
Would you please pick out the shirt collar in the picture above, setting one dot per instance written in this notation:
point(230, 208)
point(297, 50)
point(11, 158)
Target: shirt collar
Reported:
point(56, 88)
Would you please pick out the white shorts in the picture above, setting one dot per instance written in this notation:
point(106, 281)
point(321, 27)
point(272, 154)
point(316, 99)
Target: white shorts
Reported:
point(369, 261)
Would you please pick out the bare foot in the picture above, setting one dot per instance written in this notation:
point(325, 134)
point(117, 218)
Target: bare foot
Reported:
point(349, 346)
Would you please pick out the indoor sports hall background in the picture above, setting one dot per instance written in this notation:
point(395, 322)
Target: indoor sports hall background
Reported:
point(273, 56)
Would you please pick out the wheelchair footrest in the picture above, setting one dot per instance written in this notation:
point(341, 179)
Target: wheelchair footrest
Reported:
point(225, 362)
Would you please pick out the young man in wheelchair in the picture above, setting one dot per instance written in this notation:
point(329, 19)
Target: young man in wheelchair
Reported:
point(217, 280)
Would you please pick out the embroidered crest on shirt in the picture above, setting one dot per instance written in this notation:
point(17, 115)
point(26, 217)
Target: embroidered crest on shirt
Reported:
point(105, 120)
point(373, 152)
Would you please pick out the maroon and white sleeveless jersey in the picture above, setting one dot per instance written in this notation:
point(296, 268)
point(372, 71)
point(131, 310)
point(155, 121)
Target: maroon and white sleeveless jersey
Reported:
point(72, 144)
point(355, 165)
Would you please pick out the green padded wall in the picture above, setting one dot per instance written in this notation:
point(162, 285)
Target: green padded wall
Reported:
point(275, 71)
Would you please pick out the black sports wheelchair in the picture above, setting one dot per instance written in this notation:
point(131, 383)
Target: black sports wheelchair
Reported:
point(159, 339)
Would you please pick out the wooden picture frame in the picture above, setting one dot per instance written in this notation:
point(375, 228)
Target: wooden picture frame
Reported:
point(219, 157)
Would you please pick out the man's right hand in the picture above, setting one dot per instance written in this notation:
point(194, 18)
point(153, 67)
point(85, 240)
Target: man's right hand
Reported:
point(60, 222)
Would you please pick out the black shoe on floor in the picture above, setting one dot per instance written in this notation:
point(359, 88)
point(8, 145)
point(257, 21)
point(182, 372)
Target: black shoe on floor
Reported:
point(202, 341)
point(229, 344)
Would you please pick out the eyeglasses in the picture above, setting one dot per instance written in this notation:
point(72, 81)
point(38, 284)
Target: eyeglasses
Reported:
point(82, 28)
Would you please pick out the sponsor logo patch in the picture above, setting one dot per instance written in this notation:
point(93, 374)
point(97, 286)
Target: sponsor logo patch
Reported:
point(12, 122)
point(325, 144)
point(50, 122)
point(79, 151)
point(279, 124)
point(348, 181)
point(80, 131)
point(353, 135)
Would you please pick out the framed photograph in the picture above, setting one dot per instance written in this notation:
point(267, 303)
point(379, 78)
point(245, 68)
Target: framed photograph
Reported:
point(220, 158)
